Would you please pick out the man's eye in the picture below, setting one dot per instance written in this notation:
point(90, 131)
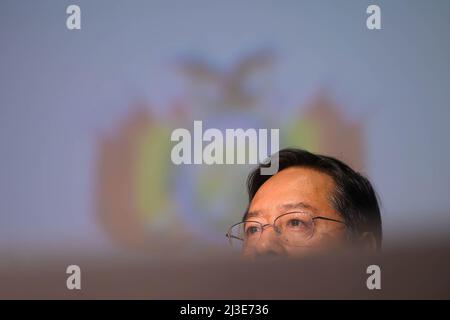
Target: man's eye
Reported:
point(295, 223)
point(252, 230)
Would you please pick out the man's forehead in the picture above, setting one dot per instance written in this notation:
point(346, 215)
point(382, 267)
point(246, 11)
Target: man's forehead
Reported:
point(295, 179)
point(293, 188)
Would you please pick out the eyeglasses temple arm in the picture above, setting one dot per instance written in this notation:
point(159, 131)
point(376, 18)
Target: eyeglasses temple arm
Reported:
point(231, 236)
point(329, 219)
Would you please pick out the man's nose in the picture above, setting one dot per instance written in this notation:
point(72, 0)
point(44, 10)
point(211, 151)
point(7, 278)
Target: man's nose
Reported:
point(269, 243)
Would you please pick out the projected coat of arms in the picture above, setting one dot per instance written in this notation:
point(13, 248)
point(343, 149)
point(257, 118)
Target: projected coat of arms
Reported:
point(144, 201)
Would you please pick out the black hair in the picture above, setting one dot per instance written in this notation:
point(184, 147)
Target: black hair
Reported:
point(353, 197)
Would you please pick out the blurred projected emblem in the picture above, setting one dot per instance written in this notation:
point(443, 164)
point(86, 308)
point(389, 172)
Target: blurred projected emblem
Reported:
point(145, 201)
point(322, 127)
point(133, 190)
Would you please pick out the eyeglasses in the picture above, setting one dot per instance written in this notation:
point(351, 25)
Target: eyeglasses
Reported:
point(293, 228)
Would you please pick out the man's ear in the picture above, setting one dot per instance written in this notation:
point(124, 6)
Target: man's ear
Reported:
point(368, 242)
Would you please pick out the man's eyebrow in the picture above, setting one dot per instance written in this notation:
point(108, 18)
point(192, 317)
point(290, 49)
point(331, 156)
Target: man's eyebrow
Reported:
point(252, 214)
point(297, 205)
point(286, 206)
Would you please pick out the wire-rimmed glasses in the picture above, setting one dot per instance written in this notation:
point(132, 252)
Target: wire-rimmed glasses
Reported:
point(293, 228)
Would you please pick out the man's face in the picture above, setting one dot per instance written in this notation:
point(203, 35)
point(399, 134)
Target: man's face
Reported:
point(294, 193)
